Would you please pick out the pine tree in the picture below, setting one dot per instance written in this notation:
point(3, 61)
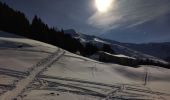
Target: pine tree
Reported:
point(107, 48)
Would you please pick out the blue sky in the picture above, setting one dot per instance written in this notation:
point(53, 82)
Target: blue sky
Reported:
point(135, 21)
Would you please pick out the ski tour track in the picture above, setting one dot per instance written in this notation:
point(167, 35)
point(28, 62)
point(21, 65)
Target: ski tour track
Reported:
point(33, 72)
point(33, 79)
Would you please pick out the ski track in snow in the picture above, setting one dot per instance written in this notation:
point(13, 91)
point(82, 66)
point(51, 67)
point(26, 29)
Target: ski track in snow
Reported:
point(82, 87)
point(33, 72)
point(117, 91)
point(34, 79)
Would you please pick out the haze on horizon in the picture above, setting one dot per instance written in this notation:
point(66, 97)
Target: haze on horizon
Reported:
point(134, 21)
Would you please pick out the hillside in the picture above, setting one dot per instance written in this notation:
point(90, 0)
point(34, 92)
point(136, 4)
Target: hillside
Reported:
point(32, 70)
point(160, 50)
point(157, 52)
point(14, 21)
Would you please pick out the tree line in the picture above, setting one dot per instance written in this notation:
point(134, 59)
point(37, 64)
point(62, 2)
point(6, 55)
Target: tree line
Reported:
point(16, 22)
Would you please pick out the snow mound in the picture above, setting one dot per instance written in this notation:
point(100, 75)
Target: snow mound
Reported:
point(44, 72)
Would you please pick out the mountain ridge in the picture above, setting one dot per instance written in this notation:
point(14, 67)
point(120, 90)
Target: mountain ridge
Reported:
point(145, 48)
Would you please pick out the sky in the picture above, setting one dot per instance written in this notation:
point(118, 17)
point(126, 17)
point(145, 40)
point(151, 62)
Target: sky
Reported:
point(133, 21)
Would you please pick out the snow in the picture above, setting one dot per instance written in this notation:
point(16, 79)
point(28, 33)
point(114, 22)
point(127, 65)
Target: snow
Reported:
point(20, 60)
point(135, 54)
point(101, 41)
point(7, 80)
point(130, 50)
point(84, 70)
point(53, 95)
point(39, 71)
point(124, 56)
point(120, 55)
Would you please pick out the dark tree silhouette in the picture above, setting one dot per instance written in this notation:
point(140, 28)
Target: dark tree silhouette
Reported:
point(108, 48)
point(13, 21)
point(168, 59)
point(16, 22)
point(90, 49)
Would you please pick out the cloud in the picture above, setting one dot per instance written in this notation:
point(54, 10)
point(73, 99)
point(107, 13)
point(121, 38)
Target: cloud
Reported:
point(129, 13)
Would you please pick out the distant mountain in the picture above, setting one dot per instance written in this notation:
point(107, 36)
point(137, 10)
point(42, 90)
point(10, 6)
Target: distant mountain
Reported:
point(161, 50)
point(71, 32)
point(153, 51)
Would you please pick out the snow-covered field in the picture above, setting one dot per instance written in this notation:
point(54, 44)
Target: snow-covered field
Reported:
point(32, 70)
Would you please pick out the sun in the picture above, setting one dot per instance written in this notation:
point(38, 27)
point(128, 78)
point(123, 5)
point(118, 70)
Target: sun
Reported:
point(103, 5)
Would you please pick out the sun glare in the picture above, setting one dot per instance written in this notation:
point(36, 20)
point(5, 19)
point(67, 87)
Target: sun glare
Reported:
point(103, 5)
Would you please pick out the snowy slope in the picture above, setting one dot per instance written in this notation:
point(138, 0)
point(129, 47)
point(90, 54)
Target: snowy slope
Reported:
point(32, 70)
